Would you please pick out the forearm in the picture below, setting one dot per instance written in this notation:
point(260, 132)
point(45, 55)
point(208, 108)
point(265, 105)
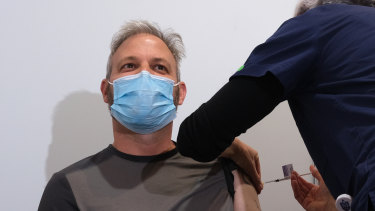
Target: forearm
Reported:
point(240, 104)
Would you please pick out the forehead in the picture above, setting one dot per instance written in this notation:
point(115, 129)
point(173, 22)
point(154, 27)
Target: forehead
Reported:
point(144, 46)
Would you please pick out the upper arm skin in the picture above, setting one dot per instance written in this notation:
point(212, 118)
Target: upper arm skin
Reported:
point(245, 195)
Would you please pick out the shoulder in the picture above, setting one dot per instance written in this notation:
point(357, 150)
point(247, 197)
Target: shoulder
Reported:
point(85, 162)
point(59, 179)
point(58, 194)
point(332, 14)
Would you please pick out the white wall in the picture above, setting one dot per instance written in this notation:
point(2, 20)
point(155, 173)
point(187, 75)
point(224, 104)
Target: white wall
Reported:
point(53, 57)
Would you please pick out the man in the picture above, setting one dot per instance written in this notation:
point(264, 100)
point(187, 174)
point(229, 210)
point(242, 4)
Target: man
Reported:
point(142, 169)
point(322, 61)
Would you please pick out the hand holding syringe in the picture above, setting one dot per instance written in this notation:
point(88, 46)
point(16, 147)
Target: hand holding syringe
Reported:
point(287, 170)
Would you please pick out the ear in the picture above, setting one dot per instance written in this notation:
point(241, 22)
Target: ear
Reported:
point(182, 92)
point(103, 88)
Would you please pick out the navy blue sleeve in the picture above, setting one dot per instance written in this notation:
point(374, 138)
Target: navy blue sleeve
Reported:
point(58, 195)
point(240, 104)
point(290, 54)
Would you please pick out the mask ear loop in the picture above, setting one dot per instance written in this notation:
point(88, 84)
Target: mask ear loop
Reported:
point(110, 82)
point(174, 85)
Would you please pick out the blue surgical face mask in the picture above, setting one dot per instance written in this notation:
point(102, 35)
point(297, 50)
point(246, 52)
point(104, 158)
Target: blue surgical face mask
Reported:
point(143, 102)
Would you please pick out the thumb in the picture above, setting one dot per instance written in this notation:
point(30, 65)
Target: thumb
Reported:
point(314, 171)
point(254, 172)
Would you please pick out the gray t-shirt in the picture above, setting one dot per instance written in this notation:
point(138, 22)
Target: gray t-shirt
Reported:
point(112, 180)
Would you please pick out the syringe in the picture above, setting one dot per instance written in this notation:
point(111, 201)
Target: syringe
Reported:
point(285, 178)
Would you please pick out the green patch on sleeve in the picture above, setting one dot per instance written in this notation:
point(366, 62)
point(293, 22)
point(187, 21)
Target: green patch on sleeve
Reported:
point(239, 69)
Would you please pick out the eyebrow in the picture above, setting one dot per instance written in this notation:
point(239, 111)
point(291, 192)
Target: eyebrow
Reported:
point(122, 60)
point(132, 58)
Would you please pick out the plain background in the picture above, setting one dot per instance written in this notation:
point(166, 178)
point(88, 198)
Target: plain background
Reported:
point(53, 57)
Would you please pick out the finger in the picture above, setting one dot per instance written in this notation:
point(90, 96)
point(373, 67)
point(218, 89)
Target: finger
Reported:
point(304, 186)
point(257, 181)
point(298, 194)
point(256, 161)
point(258, 165)
point(316, 174)
point(293, 180)
point(249, 180)
point(255, 177)
point(259, 174)
point(296, 179)
point(250, 164)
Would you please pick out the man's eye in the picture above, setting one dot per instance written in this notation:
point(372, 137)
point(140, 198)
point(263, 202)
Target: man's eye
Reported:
point(128, 66)
point(160, 68)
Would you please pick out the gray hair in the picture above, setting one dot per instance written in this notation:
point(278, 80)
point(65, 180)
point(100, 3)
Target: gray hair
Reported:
point(305, 5)
point(169, 37)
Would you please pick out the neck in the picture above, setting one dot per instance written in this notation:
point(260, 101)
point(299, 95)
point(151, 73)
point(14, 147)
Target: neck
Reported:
point(142, 144)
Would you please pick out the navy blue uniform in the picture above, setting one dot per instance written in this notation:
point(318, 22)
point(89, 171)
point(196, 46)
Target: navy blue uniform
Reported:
point(324, 61)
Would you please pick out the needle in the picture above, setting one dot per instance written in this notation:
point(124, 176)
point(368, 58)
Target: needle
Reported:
point(285, 178)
